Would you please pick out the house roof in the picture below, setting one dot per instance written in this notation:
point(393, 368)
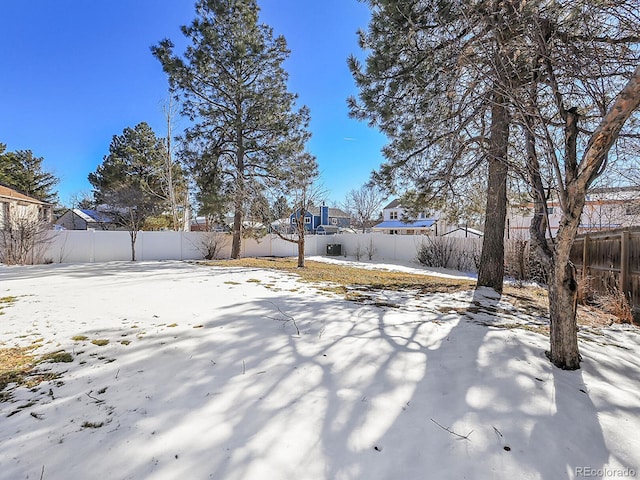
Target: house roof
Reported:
point(333, 212)
point(328, 229)
point(394, 204)
point(282, 221)
point(92, 215)
point(8, 192)
point(426, 223)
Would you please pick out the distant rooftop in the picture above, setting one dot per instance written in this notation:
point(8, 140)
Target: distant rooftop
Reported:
point(8, 192)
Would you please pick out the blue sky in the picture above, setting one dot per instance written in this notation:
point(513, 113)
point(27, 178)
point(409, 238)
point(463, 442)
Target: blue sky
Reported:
point(75, 72)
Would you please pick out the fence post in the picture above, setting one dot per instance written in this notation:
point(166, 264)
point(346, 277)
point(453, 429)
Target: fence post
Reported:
point(585, 256)
point(624, 261)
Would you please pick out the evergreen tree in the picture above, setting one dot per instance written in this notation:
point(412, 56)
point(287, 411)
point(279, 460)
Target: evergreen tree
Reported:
point(432, 83)
point(233, 88)
point(280, 208)
point(24, 172)
point(127, 181)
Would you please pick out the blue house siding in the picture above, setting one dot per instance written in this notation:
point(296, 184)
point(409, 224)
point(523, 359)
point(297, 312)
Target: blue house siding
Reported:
point(322, 218)
point(324, 215)
point(308, 226)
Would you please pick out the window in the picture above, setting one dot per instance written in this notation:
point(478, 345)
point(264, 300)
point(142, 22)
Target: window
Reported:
point(393, 215)
point(550, 210)
point(334, 221)
point(307, 220)
point(633, 209)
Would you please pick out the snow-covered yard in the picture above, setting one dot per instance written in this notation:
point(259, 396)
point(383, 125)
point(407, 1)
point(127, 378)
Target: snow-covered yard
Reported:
point(240, 373)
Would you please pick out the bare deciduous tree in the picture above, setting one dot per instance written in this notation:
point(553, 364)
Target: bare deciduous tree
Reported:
point(24, 239)
point(173, 184)
point(579, 85)
point(365, 206)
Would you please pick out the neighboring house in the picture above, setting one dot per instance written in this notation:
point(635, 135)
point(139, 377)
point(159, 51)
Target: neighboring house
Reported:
point(209, 224)
point(605, 209)
point(283, 225)
point(322, 219)
point(86, 219)
point(395, 221)
point(16, 206)
point(205, 223)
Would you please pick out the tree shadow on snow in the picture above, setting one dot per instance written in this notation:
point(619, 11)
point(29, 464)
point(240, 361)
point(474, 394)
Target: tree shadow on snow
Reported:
point(294, 387)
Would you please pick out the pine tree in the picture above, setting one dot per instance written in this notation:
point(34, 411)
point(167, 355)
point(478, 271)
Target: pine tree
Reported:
point(127, 181)
point(232, 87)
point(24, 172)
point(432, 83)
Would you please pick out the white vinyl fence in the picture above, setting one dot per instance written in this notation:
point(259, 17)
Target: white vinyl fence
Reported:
point(102, 246)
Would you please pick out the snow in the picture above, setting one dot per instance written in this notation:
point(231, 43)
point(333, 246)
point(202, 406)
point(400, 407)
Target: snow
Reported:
point(232, 391)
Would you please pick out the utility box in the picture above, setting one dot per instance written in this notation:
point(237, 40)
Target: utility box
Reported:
point(334, 249)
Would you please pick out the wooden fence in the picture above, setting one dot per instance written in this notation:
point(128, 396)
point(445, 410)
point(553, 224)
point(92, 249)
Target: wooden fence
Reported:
point(611, 260)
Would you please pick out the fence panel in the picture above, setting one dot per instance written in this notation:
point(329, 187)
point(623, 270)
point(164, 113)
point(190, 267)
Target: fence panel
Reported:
point(103, 246)
point(610, 260)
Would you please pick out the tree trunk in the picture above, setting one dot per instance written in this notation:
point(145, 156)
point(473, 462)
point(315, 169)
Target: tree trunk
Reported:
point(301, 253)
point(133, 235)
point(237, 229)
point(239, 200)
point(563, 287)
point(301, 233)
point(491, 271)
point(563, 302)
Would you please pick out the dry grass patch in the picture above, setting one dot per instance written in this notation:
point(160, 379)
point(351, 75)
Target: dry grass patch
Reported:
point(4, 301)
point(348, 281)
point(535, 301)
point(57, 357)
point(531, 299)
point(344, 277)
point(15, 365)
point(18, 365)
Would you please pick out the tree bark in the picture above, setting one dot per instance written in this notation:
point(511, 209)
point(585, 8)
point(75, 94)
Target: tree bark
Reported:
point(133, 235)
point(491, 271)
point(239, 199)
point(301, 233)
point(563, 304)
point(562, 283)
point(301, 253)
point(237, 229)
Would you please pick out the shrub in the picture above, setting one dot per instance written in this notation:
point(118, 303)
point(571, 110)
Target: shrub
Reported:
point(371, 249)
point(521, 262)
point(212, 244)
point(23, 240)
point(616, 303)
point(436, 252)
